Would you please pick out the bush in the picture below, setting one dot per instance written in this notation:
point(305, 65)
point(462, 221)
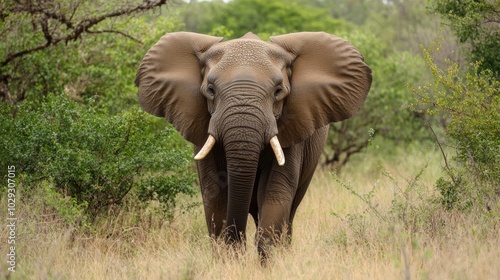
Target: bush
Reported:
point(411, 206)
point(92, 157)
point(471, 104)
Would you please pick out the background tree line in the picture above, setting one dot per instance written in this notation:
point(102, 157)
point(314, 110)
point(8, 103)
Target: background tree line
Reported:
point(71, 122)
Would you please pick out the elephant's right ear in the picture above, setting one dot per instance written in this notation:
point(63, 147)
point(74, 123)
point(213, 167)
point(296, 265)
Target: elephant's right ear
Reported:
point(169, 80)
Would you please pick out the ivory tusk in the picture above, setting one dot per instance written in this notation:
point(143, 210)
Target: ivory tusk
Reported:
point(278, 152)
point(206, 148)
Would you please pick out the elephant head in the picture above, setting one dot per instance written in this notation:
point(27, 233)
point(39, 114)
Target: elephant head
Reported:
point(246, 93)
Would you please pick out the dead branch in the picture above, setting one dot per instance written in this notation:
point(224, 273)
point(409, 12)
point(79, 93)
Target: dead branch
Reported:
point(43, 11)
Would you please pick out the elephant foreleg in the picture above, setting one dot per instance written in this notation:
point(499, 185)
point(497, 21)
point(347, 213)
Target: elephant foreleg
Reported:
point(213, 182)
point(276, 193)
point(215, 215)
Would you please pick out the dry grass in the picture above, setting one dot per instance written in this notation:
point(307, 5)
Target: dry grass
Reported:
point(336, 236)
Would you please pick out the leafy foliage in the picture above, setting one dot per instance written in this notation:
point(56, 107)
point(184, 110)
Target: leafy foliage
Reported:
point(467, 100)
point(476, 23)
point(66, 207)
point(53, 46)
point(92, 157)
point(105, 65)
point(471, 101)
point(265, 18)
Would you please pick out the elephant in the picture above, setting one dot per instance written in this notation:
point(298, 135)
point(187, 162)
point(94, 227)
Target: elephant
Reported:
point(257, 113)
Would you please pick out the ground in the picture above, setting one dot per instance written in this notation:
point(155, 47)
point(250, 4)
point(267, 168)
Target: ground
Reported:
point(372, 221)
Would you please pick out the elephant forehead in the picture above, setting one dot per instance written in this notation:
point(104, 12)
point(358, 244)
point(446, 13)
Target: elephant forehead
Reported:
point(253, 53)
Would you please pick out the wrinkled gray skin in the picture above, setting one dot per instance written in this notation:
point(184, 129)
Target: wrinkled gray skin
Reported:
point(243, 92)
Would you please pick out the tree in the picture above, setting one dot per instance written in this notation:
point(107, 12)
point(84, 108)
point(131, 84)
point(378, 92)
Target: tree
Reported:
point(468, 98)
point(470, 102)
point(358, 12)
point(78, 133)
point(30, 28)
point(476, 23)
point(262, 17)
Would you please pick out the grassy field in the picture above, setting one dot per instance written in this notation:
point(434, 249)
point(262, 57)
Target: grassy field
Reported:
point(373, 221)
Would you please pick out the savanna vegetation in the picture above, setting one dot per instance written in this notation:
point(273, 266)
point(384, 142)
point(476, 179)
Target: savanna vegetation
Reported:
point(409, 188)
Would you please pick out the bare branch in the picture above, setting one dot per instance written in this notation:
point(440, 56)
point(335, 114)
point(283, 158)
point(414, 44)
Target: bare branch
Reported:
point(447, 166)
point(4, 90)
point(77, 28)
point(45, 29)
point(116, 32)
point(349, 153)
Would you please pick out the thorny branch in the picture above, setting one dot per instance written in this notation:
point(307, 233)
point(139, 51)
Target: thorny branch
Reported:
point(343, 146)
point(44, 11)
point(58, 24)
point(447, 166)
point(116, 32)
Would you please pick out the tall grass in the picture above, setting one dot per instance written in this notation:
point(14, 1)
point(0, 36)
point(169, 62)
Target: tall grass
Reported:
point(375, 220)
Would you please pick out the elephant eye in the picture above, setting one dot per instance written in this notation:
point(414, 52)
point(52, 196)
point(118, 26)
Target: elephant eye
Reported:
point(278, 92)
point(211, 90)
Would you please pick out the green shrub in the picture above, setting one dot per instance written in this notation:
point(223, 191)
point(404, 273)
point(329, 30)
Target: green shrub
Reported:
point(412, 205)
point(93, 157)
point(454, 193)
point(471, 104)
point(66, 207)
point(475, 23)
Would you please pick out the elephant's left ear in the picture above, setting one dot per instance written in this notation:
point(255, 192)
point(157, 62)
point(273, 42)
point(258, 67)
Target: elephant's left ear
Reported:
point(329, 83)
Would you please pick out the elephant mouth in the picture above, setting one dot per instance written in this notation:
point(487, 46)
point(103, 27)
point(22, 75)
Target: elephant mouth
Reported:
point(274, 142)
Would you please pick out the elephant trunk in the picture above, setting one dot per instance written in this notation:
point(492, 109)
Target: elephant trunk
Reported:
point(244, 129)
point(243, 143)
point(242, 169)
